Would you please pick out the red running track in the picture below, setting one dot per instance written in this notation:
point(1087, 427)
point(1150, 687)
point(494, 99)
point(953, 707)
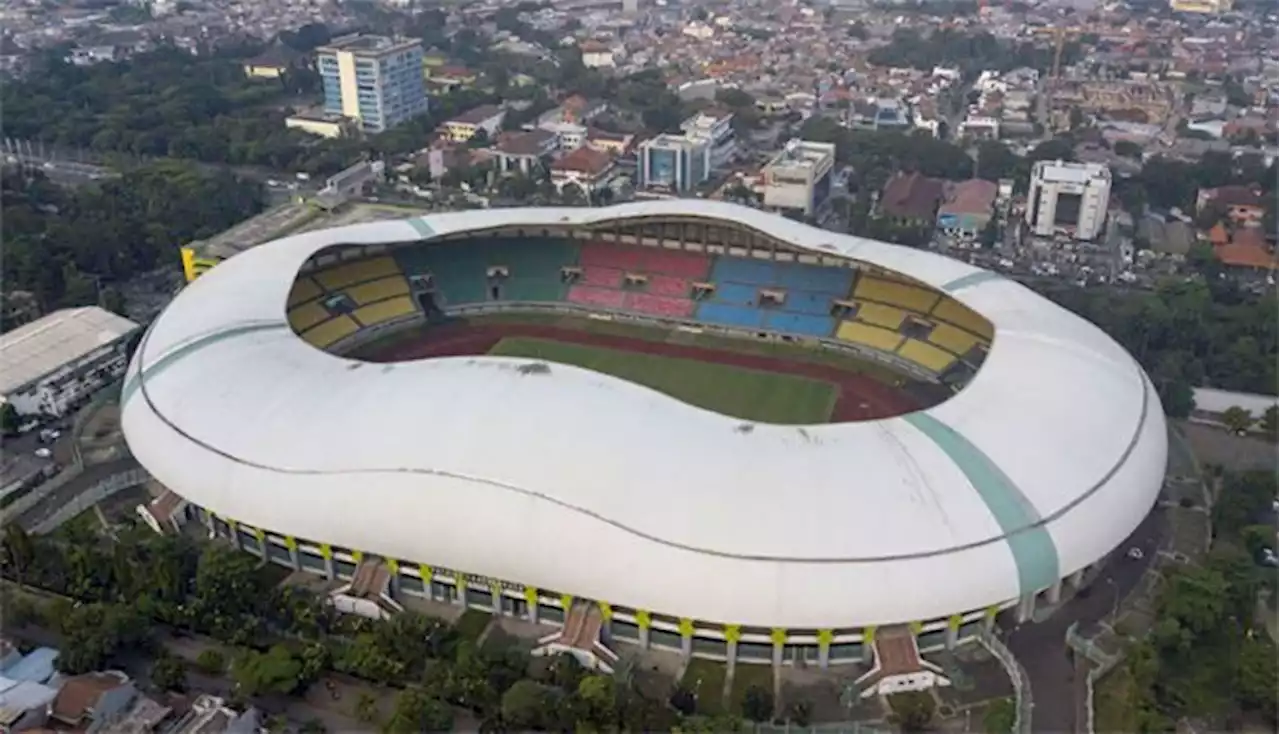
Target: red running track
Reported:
point(860, 397)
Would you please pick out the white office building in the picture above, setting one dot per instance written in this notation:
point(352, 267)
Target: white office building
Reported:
point(1069, 198)
point(716, 130)
point(799, 178)
point(52, 365)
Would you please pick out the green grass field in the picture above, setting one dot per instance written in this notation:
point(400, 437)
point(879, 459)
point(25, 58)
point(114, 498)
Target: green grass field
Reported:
point(753, 395)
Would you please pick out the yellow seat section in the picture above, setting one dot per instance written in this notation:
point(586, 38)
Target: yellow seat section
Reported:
point(376, 313)
point(330, 331)
point(954, 312)
point(910, 297)
point(357, 272)
point(956, 341)
point(306, 316)
point(926, 355)
point(871, 336)
point(304, 289)
point(378, 290)
point(886, 317)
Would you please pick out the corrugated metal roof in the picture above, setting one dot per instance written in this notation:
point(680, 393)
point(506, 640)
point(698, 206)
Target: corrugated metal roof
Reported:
point(34, 350)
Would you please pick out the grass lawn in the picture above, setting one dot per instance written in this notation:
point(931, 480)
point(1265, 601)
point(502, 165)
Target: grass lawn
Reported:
point(749, 394)
point(746, 675)
point(705, 679)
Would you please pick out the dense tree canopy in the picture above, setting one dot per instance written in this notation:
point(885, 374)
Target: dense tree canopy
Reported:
point(58, 241)
point(167, 103)
point(971, 52)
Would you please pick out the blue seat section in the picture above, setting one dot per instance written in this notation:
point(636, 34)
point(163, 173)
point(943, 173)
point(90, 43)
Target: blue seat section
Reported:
point(795, 323)
point(808, 302)
point(736, 294)
point(747, 317)
point(833, 281)
point(742, 270)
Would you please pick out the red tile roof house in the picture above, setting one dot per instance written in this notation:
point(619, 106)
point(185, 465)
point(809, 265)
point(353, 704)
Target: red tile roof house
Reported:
point(911, 198)
point(585, 167)
point(93, 698)
point(967, 206)
point(1242, 204)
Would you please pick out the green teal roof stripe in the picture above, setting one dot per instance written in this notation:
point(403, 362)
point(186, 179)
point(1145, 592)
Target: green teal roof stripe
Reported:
point(420, 225)
point(132, 384)
point(1034, 553)
point(970, 280)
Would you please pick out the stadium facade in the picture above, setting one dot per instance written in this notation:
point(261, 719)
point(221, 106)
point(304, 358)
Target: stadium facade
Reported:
point(481, 482)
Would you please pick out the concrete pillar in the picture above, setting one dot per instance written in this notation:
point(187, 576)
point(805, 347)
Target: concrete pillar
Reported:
point(824, 656)
point(1026, 607)
point(495, 594)
point(868, 645)
point(210, 524)
point(533, 609)
point(330, 568)
point(461, 585)
point(953, 636)
point(686, 646)
point(988, 623)
point(777, 656)
point(644, 638)
point(731, 653)
point(295, 558)
point(1077, 578)
point(1054, 593)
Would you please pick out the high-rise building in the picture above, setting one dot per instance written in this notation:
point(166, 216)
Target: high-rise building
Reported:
point(799, 178)
point(1068, 197)
point(674, 162)
point(374, 80)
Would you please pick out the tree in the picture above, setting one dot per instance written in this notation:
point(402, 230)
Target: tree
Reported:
point(598, 695)
point(10, 421)
point(168, 673)
point(417, 711)
point(1237, 419)
point(1269, 422)
point(757, 704)
point(528, 705)
point(1256, 680)
point(366, 710)
point(277, 671)
point(912, 711)
point(999, 717)
point(19, 551)
point(1127, 149)
point(212, 662)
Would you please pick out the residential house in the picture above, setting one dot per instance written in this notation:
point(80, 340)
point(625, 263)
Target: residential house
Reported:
point(85, 700)
point(911, 198)
point(271, 64)
point(1248, 255)
point(616, 144)
point(211, 714)
point(586, 168)
point(1242, 205)
point(596, 55)
point(967, 207)
point(466, 126)
point(522, 152)
point(451, 78)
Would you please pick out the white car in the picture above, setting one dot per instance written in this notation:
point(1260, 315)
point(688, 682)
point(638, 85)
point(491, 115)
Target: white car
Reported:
point(1136, 553)
point(43, 453)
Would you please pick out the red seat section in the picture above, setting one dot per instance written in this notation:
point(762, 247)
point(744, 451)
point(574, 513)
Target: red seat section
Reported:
point(669, 286)
point(601, 277)
point(618, 257)
point(679, 308)
point(598, 297)
point(636, 259)
point(687, 265)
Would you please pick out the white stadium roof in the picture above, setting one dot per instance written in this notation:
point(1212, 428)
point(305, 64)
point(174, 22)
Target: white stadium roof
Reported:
point(582, 483)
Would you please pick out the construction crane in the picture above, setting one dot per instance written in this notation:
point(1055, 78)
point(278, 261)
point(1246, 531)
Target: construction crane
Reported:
point(1060, 34)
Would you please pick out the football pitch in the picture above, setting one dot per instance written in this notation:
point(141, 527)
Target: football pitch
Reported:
point(767, 397)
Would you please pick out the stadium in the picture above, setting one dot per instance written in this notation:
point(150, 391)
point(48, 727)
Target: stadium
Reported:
point(683, 424)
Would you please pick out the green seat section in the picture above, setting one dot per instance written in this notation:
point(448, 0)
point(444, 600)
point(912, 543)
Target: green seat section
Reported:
point(461, 268)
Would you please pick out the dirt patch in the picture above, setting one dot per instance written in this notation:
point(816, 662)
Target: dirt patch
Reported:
point(1213, 445)
point(860, 397)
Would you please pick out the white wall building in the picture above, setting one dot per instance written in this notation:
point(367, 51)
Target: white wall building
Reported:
point(716, 130)
point(1068, 197)
point(53, 364)
point(799, 178)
